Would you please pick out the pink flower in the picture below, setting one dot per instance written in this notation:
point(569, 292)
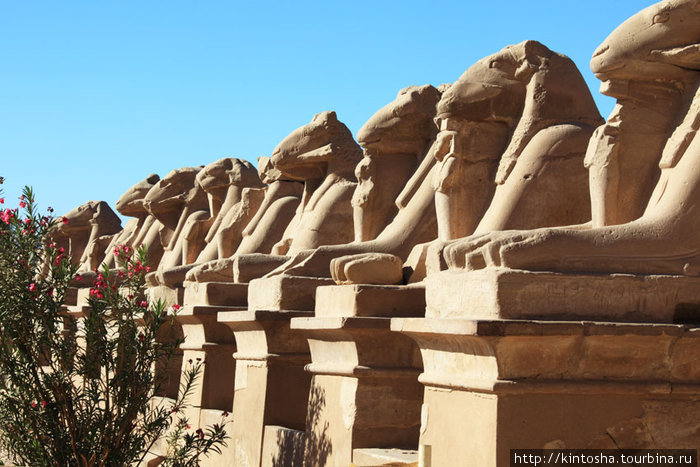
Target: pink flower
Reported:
point(43, 403)
point(64, 220)
point(27, 221)
point(2, 200)
point(33, 404)
point(7, 216)
point(176, 307)
point(78, 277)
point(22, 204)
point(32, 287)
point(143, 304)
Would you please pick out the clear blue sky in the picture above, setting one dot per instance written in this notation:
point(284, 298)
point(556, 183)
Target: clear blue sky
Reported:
point(98, 94)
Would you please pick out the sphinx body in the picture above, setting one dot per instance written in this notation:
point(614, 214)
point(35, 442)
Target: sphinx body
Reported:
point(643, 162)
point(140, 231)
point(231, 207)
point(281, 197)
point(539, 100)
point(387, 219)
point(394, 142)
point(173, 201)
point(225, 182)
point(85, 224)
point(322, 155)
point(513, 131)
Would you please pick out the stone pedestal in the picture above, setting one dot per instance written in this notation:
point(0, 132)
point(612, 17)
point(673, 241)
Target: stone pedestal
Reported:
point(215, 293)
point(493, 386)
point(364, 392)
point(73, 323)
point(370, 301)
point(209, 342)
point(71, 297)
point(285, 446)
point(169, 295)
point(81, 296)
point(501, 293)
point(284, 292)
point(271, 386)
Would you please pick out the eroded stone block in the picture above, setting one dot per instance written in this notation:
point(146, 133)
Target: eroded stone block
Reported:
point(370, 300)
point(284, 292)
point(215, 293)
point(499, 293)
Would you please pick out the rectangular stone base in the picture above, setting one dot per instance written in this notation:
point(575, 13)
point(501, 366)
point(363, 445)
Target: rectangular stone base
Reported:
point(284, 292)
point(370, 300)
point(169, 295)
point(81, 296)
point(493, 386)
point(283, 446)
point(71, 297)
point(369, 457)
point(215, 293)
point(498, 293)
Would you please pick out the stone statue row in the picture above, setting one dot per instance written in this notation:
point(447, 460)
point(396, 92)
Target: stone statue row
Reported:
point(439, 173)
point(482, 234)
point(502, 148)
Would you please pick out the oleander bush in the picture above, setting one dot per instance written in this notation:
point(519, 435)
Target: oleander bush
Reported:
point(77, 385)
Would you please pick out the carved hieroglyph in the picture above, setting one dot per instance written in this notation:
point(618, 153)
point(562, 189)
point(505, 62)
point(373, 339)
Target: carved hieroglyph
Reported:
point(644, 162)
